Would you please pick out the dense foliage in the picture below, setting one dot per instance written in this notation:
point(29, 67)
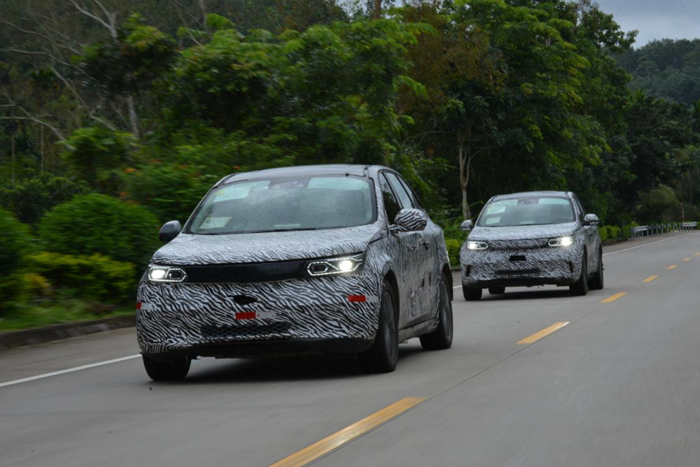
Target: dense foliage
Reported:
point(147, 103)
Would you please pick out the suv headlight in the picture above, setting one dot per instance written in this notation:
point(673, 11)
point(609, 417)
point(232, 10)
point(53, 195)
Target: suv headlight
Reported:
point(166, 274)
point(331, 266)
point(477, 245)
point(561, 241)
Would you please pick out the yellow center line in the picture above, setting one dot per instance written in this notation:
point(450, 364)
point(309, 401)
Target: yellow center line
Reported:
point(348, 434)
point(686, 259)
point(650, 278)
point(543, 333)
point(697, 254)
point(673, 266)
point(618, 295)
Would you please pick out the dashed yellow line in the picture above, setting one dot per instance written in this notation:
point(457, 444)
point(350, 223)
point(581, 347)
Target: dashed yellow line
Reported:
point(543, 333)
point(673, 266)
point(696, 254)
point(650, 278)
point(686, 259)
point(348, 434)
point(617, 296)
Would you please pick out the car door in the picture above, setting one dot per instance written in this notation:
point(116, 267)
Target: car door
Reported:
point(418, 256)
point(589, 235)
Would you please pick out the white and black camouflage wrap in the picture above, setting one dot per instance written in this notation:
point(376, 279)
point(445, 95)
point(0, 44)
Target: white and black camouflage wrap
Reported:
point(521, 255)
point(182, 316)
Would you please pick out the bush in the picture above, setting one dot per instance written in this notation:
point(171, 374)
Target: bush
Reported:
point(453, 247)
point(93, 277)
point(15, 241)
point(30, 199)
point(170, 191)
point(99, 224)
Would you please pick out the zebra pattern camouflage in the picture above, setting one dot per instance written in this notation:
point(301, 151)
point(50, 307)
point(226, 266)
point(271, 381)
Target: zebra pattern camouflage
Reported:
point(181, 316)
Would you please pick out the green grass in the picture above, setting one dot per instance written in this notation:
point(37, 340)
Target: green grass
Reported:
point(32, 316)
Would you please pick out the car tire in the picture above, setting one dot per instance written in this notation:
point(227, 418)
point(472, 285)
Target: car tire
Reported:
point(497, 290)
point(383, 355)
point(441, 338)
point(471, 294)
point(580, 287)
point(598, 280)
point(175, 369)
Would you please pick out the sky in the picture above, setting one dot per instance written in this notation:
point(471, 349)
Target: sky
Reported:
point(656, 19)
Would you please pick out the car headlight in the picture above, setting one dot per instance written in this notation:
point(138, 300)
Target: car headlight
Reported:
point(166, 274)
point(562, 241)
point(477, 245)
point(331, 266)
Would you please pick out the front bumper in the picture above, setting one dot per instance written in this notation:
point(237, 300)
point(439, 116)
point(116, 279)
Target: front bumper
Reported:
point(301, 314)
point(521, 267)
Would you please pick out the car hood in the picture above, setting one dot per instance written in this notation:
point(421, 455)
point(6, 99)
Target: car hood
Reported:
point(522, 232)
point(188, 249)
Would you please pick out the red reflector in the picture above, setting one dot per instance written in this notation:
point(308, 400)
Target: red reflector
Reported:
point(138, 305)
point(356, 298)
point(246, 315)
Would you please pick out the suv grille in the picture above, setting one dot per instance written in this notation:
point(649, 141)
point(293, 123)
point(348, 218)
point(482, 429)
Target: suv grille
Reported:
point(244, 273)
point(244, 330)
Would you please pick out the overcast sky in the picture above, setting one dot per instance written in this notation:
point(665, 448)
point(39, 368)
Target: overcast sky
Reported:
point(656, 19)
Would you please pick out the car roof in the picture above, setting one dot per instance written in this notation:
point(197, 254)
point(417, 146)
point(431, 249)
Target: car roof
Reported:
point(533, 194)
point(327, 169)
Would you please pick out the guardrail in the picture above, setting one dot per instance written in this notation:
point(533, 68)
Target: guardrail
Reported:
point(658, 229)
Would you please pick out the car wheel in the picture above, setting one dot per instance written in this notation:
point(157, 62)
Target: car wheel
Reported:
point(598, 279)
point(580, 287)
point(497, 290)
point(175, 369)
point(441, 338)
point(383, 355)
point(471, 294)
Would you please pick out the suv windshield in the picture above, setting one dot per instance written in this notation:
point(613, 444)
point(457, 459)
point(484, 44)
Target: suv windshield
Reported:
point(527, 211)
point(283, 204)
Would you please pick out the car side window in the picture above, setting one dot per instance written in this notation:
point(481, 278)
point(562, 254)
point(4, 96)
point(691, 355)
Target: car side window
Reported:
point(404, 198)
point(391, 204)
point(581, 209)
point(411, 193)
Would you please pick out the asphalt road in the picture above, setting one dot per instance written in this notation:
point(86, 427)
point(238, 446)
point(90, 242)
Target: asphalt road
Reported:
point(618, 386)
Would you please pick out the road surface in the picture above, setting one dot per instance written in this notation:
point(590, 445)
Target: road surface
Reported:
point(619, 385)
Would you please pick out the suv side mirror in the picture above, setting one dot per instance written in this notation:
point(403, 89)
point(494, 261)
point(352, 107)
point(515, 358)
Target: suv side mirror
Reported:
point(410, 220)
point(169, 231)
point(591, 219)
point(467, 225)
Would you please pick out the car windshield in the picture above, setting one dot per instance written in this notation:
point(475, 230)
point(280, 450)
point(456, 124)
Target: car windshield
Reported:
point(527, 211)
point(285, 204)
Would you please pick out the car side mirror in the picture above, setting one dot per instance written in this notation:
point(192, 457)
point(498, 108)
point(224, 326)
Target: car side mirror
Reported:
point(410, 220)
point(467, 225)
point(169, 231)
point(591, 219)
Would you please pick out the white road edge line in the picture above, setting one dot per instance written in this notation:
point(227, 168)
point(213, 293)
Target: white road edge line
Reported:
point(69, 370)
point(640, 246)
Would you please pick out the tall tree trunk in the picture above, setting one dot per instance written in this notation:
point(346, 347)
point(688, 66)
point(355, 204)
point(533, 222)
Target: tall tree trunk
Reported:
point(133, 117)
point(41, 138)
point(463, 179)
point(377, 13)
point(13, 159)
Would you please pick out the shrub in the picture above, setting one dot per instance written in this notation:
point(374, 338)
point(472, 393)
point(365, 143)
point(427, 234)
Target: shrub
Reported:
point(99, 224)
point(170, 191)
point(30, 199)
point(453, 247)
point(15, 241)
point(603, 231)
point(93, 277)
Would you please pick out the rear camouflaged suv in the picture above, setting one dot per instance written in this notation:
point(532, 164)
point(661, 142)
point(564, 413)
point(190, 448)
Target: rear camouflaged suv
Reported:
point(314, 259)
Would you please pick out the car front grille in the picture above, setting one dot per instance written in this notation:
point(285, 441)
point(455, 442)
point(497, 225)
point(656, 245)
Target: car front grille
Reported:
point(244, 273)
point(244, 330)
point(517, 244)
point(517, 272)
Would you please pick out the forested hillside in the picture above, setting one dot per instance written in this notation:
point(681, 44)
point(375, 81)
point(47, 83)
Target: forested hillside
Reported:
point(117, 115)
point(668, 68)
